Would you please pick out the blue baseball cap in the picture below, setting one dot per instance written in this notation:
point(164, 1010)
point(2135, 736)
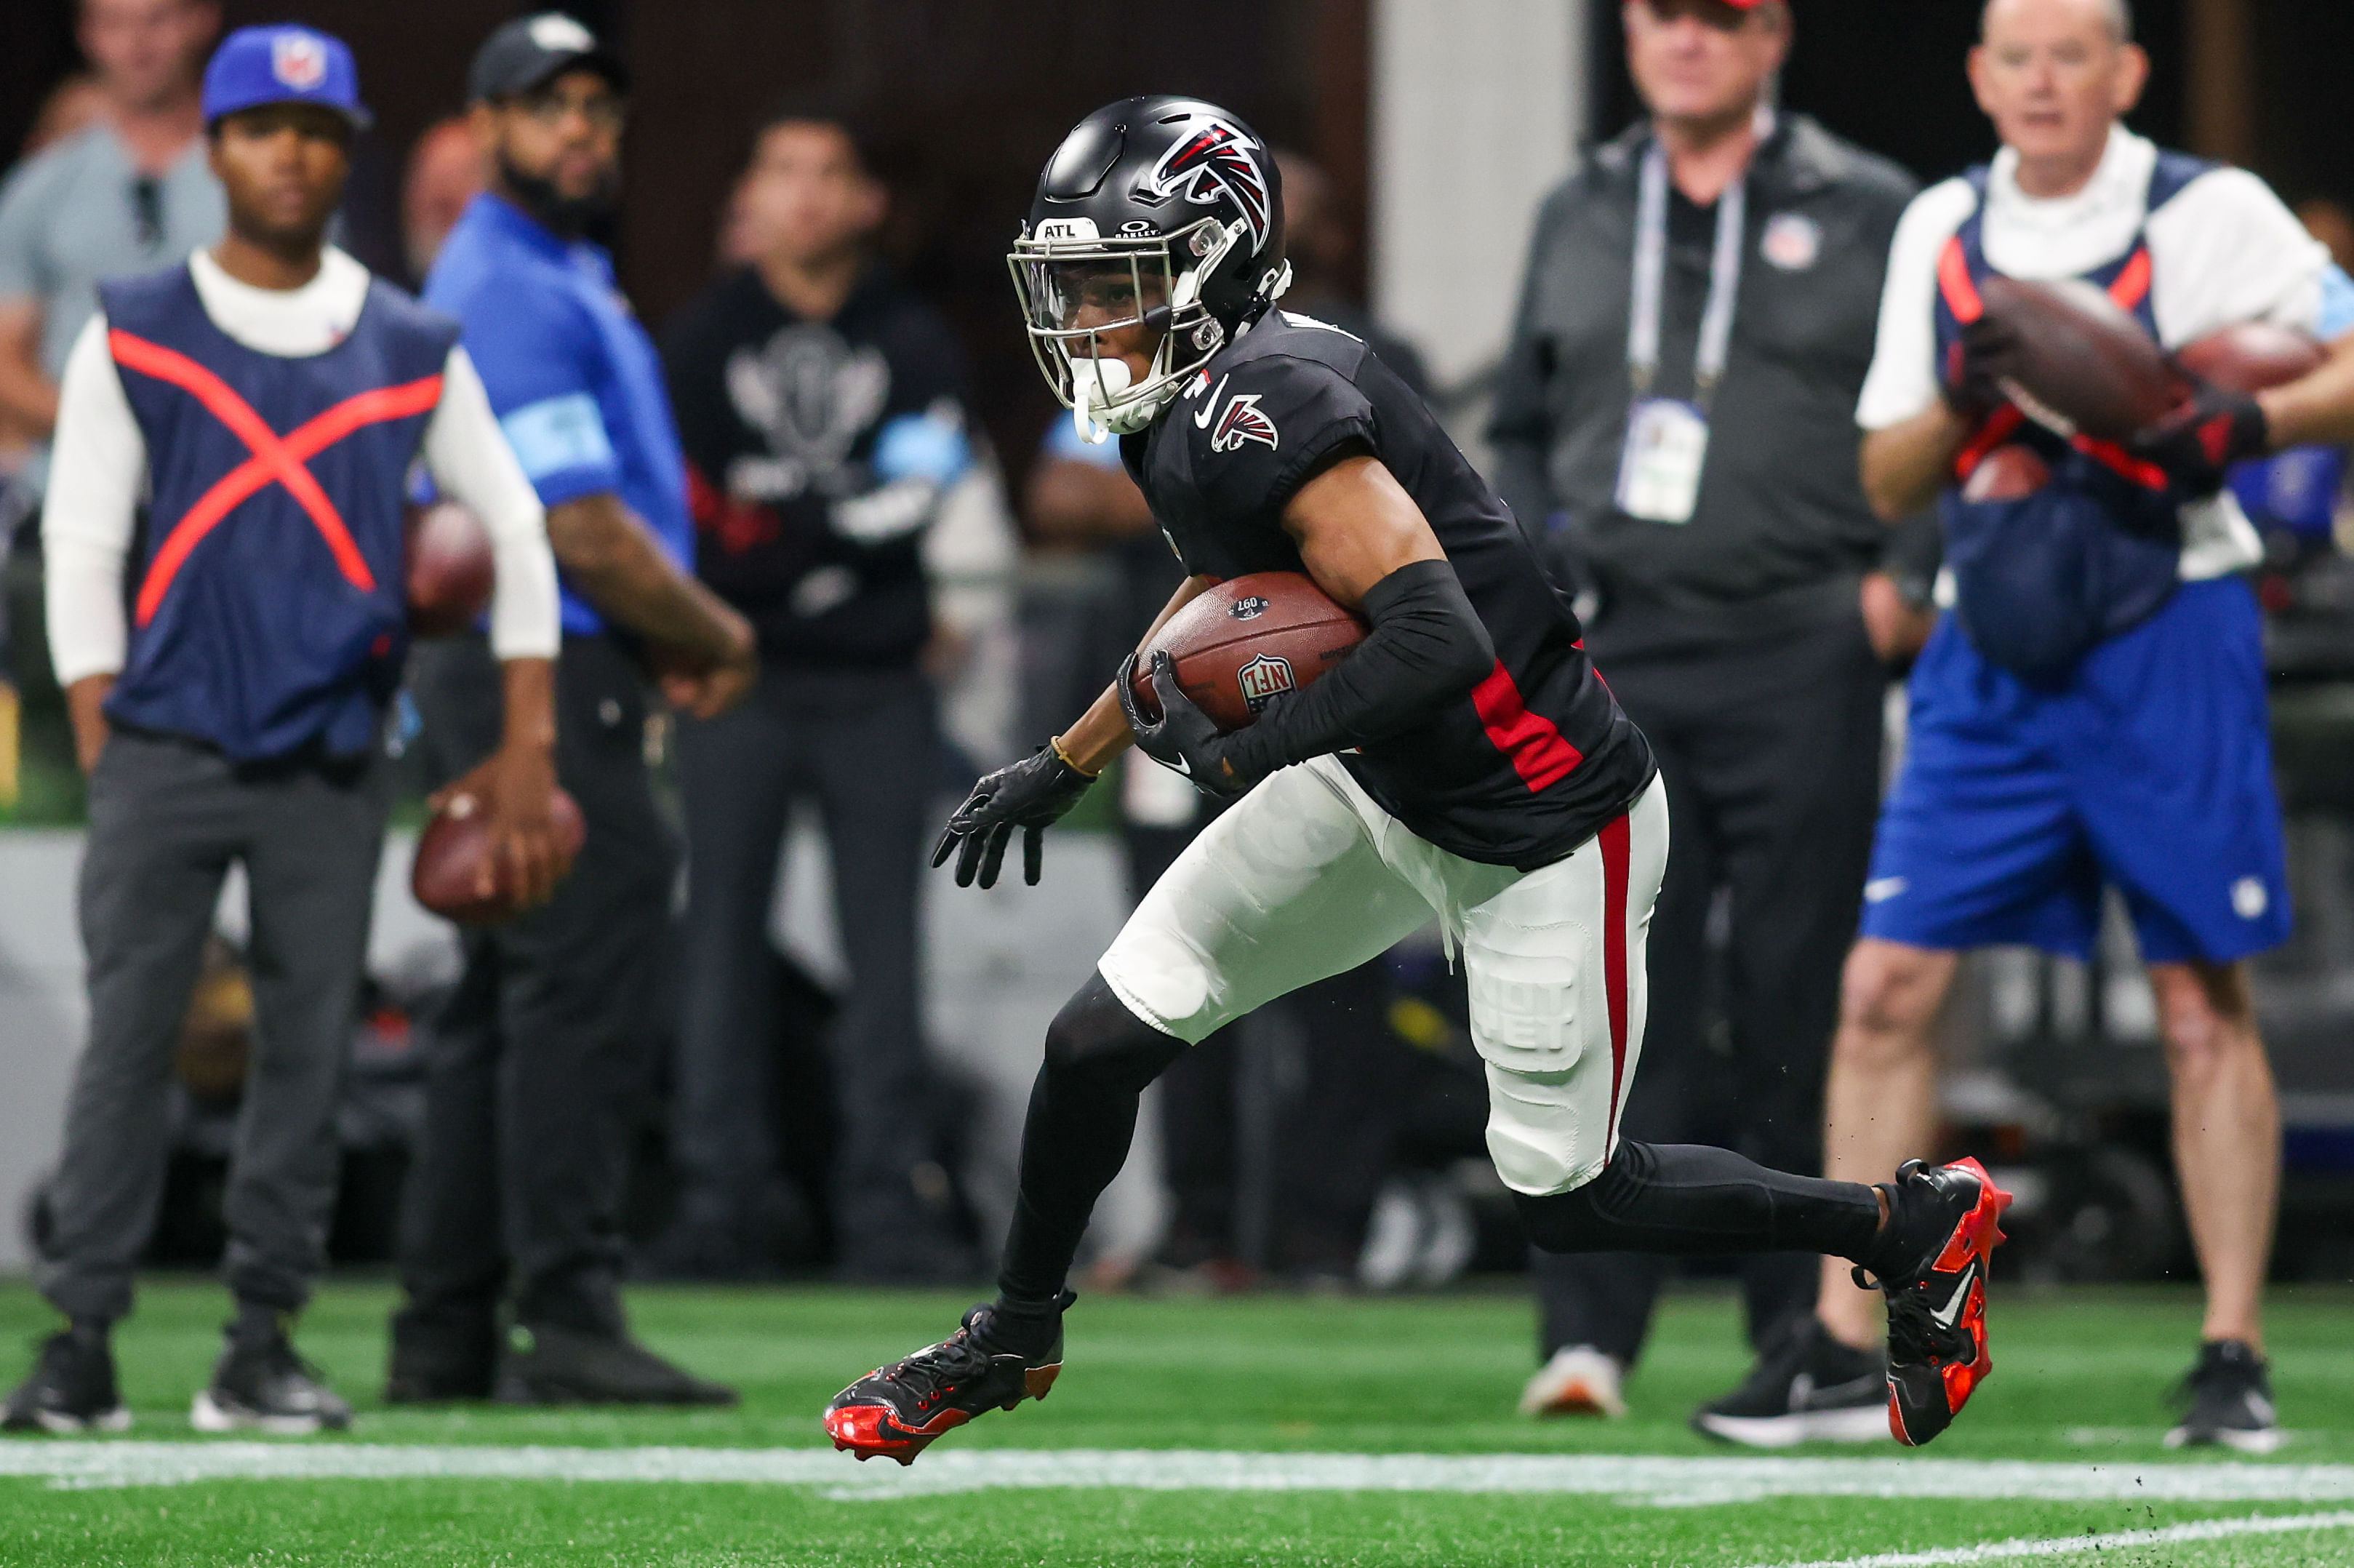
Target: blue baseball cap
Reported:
point(255, 65)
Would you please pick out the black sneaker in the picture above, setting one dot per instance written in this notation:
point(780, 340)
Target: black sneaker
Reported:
point(436, 1362)
point(70, 1389)
point(262, 1385)
point(566, 1366)
point(2229, 1396)
point(1806, 1387)
point(1944, 1222)
point(899, 1409)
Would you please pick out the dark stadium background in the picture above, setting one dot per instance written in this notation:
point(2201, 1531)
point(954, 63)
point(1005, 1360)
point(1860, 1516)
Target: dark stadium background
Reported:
point(971, 96)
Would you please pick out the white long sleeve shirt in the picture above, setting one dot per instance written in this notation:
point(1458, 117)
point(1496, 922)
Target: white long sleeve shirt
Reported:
point(99, 470)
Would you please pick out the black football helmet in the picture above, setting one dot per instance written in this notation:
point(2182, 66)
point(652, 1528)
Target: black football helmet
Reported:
point(1161, 213)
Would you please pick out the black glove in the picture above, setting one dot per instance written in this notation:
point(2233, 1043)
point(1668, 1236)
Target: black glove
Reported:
point(1183, 737)
point(1032, 795)
point(1989, 352)
point(2199, 442)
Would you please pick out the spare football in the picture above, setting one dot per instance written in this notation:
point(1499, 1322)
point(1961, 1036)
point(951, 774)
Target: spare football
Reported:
point(450, 573)
point(1248, 641)
point(2253, 356)
point(2083, 357)
point(453, 848)
point(2011, 473)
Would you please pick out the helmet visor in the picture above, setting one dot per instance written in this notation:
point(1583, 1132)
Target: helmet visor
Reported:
point(1090, 303)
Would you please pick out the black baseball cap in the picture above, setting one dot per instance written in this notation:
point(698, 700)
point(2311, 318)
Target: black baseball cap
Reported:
point(530, 50)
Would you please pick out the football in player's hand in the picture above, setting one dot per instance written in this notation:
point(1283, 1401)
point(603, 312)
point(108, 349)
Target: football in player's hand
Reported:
point(1248, 640)
point(447, 876)
point(2081, 356)
point(2253, 356)
point(450, 573)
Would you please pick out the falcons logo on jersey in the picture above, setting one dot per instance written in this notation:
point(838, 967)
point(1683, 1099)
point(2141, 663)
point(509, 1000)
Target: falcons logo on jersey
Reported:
point(1218, 159)
point(1241, 421)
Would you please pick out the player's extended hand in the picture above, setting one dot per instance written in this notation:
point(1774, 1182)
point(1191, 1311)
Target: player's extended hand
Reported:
point(1031, 795)
point(1987, 352)
point(2199, 442)
point(1183, 738)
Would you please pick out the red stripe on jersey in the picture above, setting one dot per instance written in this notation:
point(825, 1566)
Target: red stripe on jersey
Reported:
point(1539, 754)
point(1617, 841)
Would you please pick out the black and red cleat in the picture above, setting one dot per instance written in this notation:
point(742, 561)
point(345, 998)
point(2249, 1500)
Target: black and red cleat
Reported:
point(1949, 1219)
point(899, 1409)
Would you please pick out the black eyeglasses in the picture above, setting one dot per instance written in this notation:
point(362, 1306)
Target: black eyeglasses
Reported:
point(147, 210)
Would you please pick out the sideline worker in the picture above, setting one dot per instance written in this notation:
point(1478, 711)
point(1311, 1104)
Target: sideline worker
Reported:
point(2100, 722)
point(1694, 456)
point(264, 402)
point(536, 1064)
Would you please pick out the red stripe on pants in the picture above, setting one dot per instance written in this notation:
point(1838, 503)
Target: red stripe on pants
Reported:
point(1616, 839)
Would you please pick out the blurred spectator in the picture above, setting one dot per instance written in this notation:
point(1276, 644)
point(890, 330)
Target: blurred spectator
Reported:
point(822, 408)
point(447, 169)
point(1320, 244)
point(128, 192)
point(537, 1066)
point(1693, 458)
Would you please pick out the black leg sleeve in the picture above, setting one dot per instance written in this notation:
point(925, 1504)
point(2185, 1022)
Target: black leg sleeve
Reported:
point(1100, 1057)
point(1695, 1201)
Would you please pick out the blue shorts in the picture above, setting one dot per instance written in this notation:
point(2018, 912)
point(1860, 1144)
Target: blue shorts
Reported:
point(2150, 772)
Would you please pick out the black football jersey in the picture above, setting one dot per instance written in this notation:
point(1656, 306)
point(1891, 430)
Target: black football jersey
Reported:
point(1532, 762)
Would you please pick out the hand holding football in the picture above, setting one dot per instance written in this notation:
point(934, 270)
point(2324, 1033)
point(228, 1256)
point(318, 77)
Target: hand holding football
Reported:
point(1246, 641)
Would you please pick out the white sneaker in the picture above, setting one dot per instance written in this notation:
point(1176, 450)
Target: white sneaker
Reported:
point(1578, 1381)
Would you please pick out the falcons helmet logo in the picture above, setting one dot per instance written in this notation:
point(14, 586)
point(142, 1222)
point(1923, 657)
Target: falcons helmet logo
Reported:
point(1242, 422)
point(1218, 159)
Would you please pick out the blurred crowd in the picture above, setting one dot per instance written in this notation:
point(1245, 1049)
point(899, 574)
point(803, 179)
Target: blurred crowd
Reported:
point(913, 619)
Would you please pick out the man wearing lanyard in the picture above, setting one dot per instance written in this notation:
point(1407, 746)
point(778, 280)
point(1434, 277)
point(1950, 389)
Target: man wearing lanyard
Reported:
point(1690, 462)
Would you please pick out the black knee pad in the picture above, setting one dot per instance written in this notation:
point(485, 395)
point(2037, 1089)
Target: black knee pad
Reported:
point(1097, 1040)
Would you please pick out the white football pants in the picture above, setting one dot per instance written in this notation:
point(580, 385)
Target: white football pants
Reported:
point(1306, 878)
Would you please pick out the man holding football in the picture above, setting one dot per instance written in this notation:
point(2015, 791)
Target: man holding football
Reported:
point(1464, 760)
point(2093, 713)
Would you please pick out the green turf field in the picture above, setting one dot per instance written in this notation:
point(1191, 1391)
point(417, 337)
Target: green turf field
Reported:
point(1255, 1408)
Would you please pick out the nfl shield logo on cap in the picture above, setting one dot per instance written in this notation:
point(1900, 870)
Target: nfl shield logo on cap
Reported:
point(259, 66)
point(298, 59)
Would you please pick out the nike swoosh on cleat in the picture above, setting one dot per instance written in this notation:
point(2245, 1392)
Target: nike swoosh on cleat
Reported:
point(1947, 1315)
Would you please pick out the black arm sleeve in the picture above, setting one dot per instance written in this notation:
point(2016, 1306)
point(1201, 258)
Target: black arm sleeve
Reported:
point(1427, 648)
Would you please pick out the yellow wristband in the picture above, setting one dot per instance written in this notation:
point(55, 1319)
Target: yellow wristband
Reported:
point(1055, 744)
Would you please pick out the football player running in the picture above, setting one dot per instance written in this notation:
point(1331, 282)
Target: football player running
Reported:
point(1464, 761)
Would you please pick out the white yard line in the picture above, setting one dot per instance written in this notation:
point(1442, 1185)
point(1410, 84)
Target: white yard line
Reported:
point(1656, 1481)
point(2118, 1540)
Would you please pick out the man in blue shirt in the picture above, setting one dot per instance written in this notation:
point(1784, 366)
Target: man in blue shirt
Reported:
point(535, 1064)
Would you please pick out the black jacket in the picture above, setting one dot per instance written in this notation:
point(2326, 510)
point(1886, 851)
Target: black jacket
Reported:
point(779, 418)
point(1781, 528)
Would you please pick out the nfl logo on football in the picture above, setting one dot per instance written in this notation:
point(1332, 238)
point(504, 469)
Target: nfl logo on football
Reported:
point(298, 59)
point(1263, 678)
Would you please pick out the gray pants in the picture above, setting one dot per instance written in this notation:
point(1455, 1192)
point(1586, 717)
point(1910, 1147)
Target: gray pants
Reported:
point(167, 819)
point(865, 745)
